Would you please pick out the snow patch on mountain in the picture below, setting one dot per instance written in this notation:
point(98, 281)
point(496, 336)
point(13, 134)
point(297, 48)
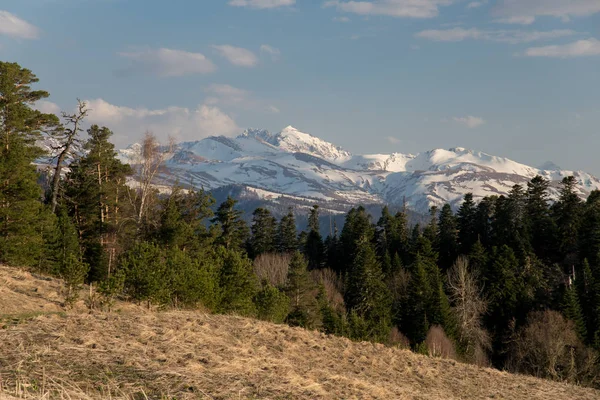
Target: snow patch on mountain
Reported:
point(298, 165)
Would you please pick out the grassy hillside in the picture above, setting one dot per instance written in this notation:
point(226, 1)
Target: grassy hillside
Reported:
point(48, 352)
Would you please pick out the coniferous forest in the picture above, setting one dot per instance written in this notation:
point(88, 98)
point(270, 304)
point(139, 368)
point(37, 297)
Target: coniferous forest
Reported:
point(511, 282)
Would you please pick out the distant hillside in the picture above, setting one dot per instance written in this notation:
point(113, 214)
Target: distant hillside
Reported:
point(134, 353)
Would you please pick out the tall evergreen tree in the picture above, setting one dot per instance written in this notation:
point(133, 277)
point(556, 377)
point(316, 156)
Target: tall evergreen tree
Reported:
point(357, 227)
point(541, 229)
point(314, 248)
point(415, 321)
point(447, 238)
point(589, 243)
point(238, 284)
point(234, 231)
point(287, 241)
point(21, 210)
point(567, 213)
point(264, 227)
point(571, 308)
point(484, 215)
point(302, 292)
point(97, 197)
point(367, 295)
point(466, 223)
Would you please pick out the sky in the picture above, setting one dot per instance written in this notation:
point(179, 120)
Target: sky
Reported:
point(513, 78)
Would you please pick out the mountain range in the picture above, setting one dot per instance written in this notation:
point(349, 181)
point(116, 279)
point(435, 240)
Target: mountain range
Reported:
point(295, 166)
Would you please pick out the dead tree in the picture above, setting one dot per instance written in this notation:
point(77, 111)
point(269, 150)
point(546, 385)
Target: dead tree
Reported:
point(67, 139)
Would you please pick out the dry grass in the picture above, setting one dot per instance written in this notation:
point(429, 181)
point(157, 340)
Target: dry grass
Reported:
point(137, 354)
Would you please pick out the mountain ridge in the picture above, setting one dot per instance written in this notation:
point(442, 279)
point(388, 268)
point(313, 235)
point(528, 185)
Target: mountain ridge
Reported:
point(295, 163)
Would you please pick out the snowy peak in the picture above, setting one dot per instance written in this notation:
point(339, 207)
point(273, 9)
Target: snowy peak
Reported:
point(259, 134)
point(549, 166)
point(297, 165)
point(292, 140)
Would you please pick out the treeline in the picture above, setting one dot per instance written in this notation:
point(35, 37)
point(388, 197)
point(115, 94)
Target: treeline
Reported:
point(512, 281)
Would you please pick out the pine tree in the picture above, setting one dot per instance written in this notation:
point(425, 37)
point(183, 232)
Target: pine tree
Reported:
point(447, 238)
point(467, 226)
point(567, 213)
point(314, 248)
point(501, 290)
point(398, 236)
point(572, 311)
point(21, 211)
point(484, 215)
point(589, 243)
point(271, 304)
point(263, 229)
point(415, 321)
point(238, 284)
point(431, 230)
point(478, 258)
point(540, 227)
point(192, 280)
point(357, 228)
point(98, 201)
point(367, 294)
point(174, 231)
point(234, 231)
point(286, 233)
point(145, 271)
point(302, 292)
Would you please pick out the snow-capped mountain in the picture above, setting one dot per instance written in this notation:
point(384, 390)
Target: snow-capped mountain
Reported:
point(295, 165)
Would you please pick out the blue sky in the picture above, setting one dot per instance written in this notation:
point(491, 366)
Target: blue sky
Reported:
point(515, 78)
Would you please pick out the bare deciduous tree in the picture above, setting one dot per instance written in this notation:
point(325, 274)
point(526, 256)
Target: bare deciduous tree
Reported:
point(438, 343)
point(469, 306)
point(333, 285)
point(67, 139)
point(273, 268)
point(548, 347)
point(147, 164)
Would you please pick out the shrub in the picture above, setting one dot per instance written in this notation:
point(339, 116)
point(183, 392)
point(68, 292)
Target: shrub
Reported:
point(271, 304)
point(438, 344)
point(548, 347)
point(397, 339)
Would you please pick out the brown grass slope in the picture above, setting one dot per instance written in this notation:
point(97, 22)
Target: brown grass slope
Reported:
point(47, 352)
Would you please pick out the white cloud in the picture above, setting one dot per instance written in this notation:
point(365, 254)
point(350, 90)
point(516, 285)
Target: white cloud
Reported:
point(581, 48)
point(517, 20)
point(11, 25)
point(129, 124)
point(525, 11)
point(341, 19)
point(226, 95)
point(469, 121)
point(392, 8)
point(167, 62)
point(237, 55)
point(229, 96)
point(503, 36)
point(47, 107)
point(262, 4)
point(393, 140)
point(476, 4)
point(272, 51)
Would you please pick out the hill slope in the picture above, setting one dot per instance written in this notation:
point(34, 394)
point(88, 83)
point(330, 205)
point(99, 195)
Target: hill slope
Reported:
point(135, 353)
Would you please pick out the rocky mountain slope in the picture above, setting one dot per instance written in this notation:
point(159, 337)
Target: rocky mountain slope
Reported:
point(295, 165)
